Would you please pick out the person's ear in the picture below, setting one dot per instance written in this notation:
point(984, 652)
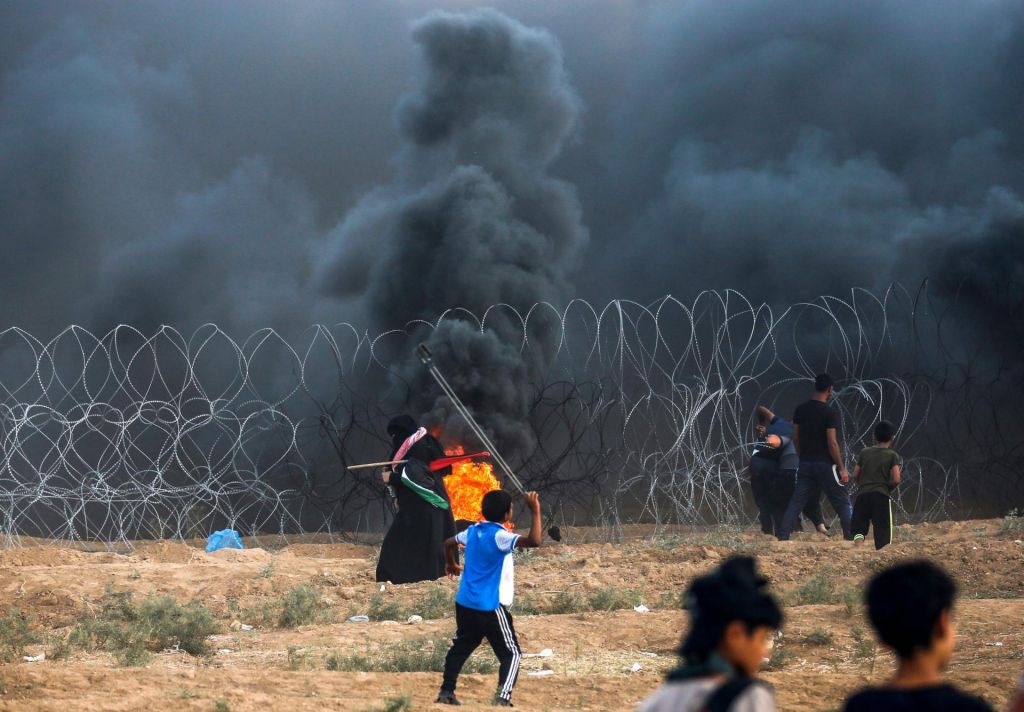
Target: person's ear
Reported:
point(944, 626)
point(735, 632)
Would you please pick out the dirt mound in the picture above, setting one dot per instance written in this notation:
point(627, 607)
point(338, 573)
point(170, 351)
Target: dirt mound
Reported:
point(165, 552)
point(331, 551)
point(575, 598)
point(52, 556)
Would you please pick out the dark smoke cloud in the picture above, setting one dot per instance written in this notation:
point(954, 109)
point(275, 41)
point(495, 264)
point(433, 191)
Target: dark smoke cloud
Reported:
point(794, 150)
point(181, 163)
point(473, 218)
point(184, 162)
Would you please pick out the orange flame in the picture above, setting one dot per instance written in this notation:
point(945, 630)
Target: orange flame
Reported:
point(469, 482)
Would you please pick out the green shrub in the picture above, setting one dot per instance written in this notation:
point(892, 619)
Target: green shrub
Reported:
point(850, 598)
point(422, 655)
point(300, 606)
point(819, 588)
point(779, 658)
point(818, 636)
point(526, 606)
point(300, 659)
point(436, 602)
point(131, 631)
point(58, 648)
point(613, 598)
point(382, 609)
point(566, 602)
point(170, 625)
point(398, 703)
point(863, 646)
point(15, 634)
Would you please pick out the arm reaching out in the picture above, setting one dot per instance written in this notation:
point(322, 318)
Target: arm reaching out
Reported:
point(532, 540)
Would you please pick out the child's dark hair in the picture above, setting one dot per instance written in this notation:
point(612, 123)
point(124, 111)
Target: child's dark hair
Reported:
point(822, 382)
point(733, 592)
point(884, 431)
point(905, 602)
point(495, 505)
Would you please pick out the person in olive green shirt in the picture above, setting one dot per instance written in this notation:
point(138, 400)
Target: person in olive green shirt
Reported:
point(877, 474)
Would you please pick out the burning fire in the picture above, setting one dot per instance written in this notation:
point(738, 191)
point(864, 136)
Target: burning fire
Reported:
point(469, 482)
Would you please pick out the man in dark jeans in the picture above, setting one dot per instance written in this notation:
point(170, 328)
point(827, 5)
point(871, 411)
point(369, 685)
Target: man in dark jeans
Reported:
point(773, 466)
point(814, 435)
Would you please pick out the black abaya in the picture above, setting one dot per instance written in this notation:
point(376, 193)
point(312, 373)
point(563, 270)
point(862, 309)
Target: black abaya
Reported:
point(413, 548)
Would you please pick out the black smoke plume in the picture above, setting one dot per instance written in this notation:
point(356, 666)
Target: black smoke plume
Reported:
point(472, 218)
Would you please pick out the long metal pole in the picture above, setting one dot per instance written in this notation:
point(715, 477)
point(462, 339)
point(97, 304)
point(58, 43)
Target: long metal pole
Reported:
point(425, 356)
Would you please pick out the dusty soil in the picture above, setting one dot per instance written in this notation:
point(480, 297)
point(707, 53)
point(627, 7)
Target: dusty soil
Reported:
point(825, 652)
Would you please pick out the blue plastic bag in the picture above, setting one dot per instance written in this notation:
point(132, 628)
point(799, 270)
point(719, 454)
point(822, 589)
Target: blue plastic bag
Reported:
point(224, 539)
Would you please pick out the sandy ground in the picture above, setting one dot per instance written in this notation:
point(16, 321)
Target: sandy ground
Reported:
point(825, 652)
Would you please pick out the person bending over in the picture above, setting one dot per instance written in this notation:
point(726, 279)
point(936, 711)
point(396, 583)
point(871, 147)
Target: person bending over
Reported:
point(732, 620)
point(773, 465)
point(910, 606)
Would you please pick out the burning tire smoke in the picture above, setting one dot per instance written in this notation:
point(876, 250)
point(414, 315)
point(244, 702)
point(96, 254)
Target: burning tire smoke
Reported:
point(472, 218)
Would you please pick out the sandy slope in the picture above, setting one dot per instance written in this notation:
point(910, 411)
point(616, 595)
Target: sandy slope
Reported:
point(594, 652)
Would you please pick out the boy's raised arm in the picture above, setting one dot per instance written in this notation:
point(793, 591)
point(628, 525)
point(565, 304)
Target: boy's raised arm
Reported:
point(896, 472)
point(532, 540)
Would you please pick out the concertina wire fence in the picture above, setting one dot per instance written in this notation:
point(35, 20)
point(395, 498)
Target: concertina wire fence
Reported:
point(644, 414)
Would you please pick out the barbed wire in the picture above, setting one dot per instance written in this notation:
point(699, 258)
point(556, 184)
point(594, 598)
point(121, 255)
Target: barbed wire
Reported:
point(641, 413)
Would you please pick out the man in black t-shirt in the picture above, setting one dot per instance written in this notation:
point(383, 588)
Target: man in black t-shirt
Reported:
point(817, 444)
point(911, 608)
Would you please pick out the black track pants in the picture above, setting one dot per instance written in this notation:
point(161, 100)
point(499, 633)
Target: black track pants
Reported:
point(472, 626)
point(874, 508)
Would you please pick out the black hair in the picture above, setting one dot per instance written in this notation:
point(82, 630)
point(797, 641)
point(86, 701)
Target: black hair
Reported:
point(884, 431)
point(735, 591)
point(822, 382)
point(400, 427)
point(904, 604)
point(496, 505)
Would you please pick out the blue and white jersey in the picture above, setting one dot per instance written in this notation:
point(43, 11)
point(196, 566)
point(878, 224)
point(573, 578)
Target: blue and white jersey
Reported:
point(487, 575)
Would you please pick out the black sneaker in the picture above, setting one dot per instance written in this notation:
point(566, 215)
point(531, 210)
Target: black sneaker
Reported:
point(502, 702)
point(444, 697)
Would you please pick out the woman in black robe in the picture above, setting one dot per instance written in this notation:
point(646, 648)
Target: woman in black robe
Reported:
point(413, 548)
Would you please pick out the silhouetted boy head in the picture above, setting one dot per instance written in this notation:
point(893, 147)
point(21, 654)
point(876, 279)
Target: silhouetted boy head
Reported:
point(732, 614)
point(910, 606)
point(496, 506)
point(884, 432)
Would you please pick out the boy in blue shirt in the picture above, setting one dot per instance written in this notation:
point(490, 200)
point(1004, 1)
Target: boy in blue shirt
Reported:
point(485, 592)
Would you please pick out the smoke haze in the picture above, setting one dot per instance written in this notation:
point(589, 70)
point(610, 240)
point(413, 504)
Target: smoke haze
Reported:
point(278, 164)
